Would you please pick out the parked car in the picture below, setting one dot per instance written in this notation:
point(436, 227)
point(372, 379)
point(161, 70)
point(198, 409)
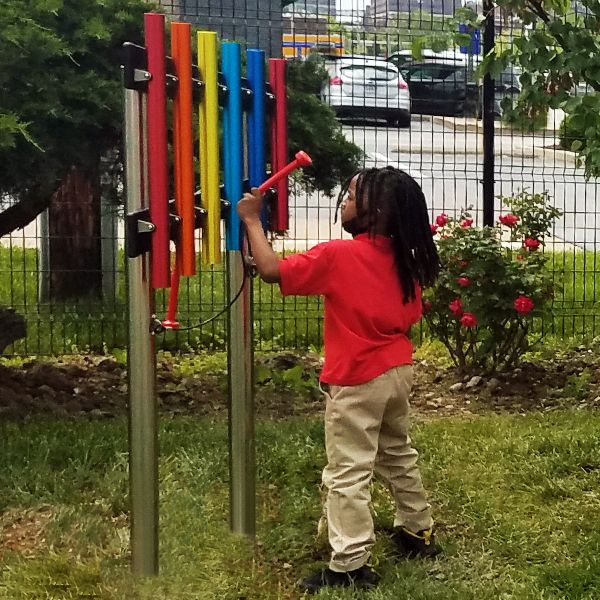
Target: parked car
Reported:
point(362, 86)
point(438, 88)
point(445, 84)
point(403, 57)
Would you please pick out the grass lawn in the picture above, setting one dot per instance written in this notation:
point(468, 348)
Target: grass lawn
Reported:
point(516, 499)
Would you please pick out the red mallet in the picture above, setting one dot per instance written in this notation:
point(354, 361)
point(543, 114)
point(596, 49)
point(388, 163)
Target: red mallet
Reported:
point(302, 160)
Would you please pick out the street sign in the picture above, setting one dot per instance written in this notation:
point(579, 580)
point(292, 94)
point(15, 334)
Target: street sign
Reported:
point(475, 46)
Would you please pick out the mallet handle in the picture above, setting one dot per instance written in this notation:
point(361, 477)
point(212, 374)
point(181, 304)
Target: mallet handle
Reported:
point(302, 160)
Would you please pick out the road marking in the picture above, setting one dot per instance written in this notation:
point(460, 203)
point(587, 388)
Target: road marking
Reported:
point(381, 160)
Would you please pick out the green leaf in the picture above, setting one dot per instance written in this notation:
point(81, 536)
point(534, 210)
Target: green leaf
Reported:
point(576, 145)
point(417, 46)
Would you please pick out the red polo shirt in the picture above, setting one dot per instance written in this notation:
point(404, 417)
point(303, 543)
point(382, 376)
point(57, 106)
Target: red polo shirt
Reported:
point(366, 323)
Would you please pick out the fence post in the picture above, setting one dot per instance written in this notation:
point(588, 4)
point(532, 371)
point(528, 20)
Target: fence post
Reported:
point(44, 258)
point(488, 118)
point(108, 238)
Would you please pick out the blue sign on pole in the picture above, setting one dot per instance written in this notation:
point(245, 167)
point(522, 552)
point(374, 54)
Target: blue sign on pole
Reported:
point(475, 46)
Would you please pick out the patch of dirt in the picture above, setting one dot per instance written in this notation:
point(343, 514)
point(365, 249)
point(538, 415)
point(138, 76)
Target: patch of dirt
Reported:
point(96, 387)
point(23, 531)
point(569, 380)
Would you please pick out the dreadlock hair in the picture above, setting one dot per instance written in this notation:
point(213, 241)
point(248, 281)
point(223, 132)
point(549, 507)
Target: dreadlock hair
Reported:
point(392, 203)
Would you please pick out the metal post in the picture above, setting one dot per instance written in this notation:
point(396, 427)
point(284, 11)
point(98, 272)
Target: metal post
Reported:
point(241, 410)
point(108, 240)
point(44, 254)
point(143, 434)
point(488, 119)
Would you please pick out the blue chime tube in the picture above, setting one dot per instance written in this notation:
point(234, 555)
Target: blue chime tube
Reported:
point(257, 119)
point(232, 139)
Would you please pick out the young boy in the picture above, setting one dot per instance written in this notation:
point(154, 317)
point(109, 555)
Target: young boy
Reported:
point(372, 289)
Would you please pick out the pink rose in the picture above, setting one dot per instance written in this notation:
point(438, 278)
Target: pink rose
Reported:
point(523, 305)
point(442, 220)
point(456, 307)
point(463, 281)
point(532, 244)
point(466, 223)
point(468, 320)
point(509, 220)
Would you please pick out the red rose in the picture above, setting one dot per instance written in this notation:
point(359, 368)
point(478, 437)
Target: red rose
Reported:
point(463, 281)
point(523, 305)
point(509, 220)
point(532, 244)
point(427, 305)
point(456, 307)
point(434, 229)
point(468, 320)
point(442, 219)
point(466, 223)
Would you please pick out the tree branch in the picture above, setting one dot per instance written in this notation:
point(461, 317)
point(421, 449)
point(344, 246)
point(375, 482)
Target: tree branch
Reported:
point(24, 212)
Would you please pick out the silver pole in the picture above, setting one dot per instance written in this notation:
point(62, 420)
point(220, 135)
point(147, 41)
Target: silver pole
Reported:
point(143, 434)
point(44, 254)
point(108, 238)
point(241, 399)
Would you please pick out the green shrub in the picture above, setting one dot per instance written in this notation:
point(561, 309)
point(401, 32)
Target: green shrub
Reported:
point(481, 305)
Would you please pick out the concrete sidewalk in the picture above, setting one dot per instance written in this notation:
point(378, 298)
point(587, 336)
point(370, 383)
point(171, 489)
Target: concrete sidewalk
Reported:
point(465, 137)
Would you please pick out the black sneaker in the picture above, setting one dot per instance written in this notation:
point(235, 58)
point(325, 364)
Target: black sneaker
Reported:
point(415, 545)
point(364, 577)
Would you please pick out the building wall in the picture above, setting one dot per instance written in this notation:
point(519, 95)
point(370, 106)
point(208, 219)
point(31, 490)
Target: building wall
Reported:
point(313, 7)
point(256, 23)
point(381, 8)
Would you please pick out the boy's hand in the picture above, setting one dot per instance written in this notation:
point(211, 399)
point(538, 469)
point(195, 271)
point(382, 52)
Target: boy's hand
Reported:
point(250, 206)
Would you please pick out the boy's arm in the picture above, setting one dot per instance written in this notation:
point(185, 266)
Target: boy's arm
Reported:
point(267, 262)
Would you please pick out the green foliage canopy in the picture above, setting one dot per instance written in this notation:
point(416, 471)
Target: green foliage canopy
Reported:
point(60, 87)
point(61, 99)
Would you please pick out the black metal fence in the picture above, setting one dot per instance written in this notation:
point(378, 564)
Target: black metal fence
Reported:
point(458, 146)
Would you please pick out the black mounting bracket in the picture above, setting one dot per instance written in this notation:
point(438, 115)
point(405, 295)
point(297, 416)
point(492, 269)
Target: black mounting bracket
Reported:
point(140, 228)
point(136, 75)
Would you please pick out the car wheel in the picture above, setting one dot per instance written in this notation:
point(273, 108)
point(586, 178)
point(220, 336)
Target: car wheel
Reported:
point(404, 121)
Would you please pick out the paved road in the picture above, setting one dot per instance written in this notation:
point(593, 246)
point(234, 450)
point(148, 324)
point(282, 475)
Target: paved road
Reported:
point(448, 164)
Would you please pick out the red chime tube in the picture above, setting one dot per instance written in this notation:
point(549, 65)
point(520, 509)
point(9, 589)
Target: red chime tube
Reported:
point(157, 148)
point(279, 142)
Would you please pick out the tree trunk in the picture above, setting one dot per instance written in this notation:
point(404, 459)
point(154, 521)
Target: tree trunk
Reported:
point(74, 230)
point(12, 327)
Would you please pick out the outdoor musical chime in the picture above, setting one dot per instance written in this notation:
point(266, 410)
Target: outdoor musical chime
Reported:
point(152, 80)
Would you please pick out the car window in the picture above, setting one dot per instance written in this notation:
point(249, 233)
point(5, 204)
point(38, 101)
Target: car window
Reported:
point(430, 72)
point(370, 72)
point(399, 59)
point(456, 75)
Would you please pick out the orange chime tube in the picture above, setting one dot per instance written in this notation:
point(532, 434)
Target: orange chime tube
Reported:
point(181, 52)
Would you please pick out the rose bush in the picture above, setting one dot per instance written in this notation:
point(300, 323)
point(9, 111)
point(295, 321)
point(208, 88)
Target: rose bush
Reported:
point(491, 284)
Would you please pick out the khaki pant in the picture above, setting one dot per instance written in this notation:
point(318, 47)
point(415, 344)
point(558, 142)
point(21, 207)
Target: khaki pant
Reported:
point(366, 430)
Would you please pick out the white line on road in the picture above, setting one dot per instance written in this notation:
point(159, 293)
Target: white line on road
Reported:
point(380, 160)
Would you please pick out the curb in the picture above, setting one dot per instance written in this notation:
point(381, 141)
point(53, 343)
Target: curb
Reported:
point(464, 146)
